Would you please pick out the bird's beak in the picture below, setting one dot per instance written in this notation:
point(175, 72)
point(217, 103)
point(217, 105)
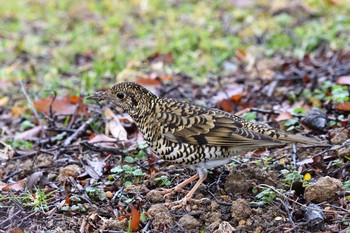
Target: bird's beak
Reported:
point(99, 96)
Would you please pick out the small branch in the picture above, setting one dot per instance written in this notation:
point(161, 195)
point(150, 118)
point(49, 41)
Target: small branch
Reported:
point(31, 105)
point(69, 140)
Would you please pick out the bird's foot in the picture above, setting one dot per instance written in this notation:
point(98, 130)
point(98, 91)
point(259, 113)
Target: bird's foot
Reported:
point(178, 204)
point(169, 192)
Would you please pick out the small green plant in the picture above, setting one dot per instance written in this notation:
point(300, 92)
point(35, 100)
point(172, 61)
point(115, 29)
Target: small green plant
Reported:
point(96, 192)
point(39, 200)
point(164, 181)
point(20, 144)
point(328, 91)
point(336, 122)
point(267, 196)
point(292, 124)
point(26, 125)
point(249, 116)
point(347, 185)
point(290, 177)
point(127, 172)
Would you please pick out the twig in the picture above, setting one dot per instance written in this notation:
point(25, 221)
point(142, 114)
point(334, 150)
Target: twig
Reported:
point(346, 143)
point(78, 132)
point(294, 155)
point(290, 199)
point(290, 217)
point(100, 149)
point(31, 105)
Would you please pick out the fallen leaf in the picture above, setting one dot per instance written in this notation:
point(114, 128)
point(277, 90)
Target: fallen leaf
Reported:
point(344, 107)
point(15, 230)
point(148, 81)
point(114, 126)
point(29, 134)
point(226, 105)
point(4, 101)
point(307, 177)
point(18, 186)
point(97, 166)
point(343, 80)
point(166, 58)
point(34, 179)
point(284, 116)
point(237, 97)
point(333, 2)
point(135, 218)
point(17, 111)
point(64, 105)
point(67, 200)
point(101, 138)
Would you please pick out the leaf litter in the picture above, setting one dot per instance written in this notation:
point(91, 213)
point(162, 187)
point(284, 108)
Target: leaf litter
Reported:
point(103, 185)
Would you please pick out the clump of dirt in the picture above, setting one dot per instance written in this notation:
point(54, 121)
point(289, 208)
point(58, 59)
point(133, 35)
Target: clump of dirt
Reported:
point(189, 222)
point(245, 178)
point(154, 197)
point(114, 224)
point(261, 219)
point(339, 136)
point(240, 210)
point(162, 218)
point(323, 190)
point(344, 152)
point(69, 170)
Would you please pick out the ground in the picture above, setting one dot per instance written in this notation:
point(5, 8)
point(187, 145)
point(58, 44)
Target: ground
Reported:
point(71, 165)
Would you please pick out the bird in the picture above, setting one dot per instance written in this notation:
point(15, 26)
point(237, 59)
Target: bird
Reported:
point(184, 133)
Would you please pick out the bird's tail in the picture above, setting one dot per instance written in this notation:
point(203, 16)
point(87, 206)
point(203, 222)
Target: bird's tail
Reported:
point(299, 139)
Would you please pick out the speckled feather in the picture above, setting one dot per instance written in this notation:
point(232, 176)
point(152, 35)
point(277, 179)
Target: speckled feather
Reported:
point(181, 132)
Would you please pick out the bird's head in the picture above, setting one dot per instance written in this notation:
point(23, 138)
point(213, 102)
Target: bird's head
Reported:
point(129, 96)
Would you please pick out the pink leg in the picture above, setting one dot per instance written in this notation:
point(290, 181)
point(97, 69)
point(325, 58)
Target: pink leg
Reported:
point(181, 203)
point(179, 187)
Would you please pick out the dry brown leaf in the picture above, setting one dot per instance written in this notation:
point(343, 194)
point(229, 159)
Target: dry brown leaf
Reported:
point(28, 134)
point(15, 230)
point(101, 138)
point(226, 105)
point(135, 218)
point(18, 186)
point(4, 101)
point(237, 97)
point(67, 199)
point(344, 107)
point(17, 111)
point(284, 116)
point(147, 81)
point(114, 126)
point(63, 105)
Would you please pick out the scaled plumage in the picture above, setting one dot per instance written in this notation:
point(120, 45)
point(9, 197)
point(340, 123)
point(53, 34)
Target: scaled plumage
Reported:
point(185, 133)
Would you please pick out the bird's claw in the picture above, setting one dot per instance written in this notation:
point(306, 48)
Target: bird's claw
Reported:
point(177, 204)
point(169, 192)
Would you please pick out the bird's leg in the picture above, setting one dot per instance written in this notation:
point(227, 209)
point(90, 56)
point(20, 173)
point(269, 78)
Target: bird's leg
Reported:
point(179, 187)
point(202, 174)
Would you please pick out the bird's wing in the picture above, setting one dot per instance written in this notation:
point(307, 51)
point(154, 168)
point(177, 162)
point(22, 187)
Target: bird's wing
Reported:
point(201, 126)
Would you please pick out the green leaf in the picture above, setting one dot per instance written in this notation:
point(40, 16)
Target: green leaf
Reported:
point(117, 169)
point(129, 159)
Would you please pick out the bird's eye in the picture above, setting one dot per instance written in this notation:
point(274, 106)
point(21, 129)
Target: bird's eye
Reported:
point(121, 95)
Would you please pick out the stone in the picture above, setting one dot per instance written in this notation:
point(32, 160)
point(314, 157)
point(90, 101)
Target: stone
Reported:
point(323, 190)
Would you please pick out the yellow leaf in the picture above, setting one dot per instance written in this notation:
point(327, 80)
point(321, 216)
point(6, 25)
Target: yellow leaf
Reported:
point(307, 177)
point(278, 218)
point(4, 101)
point(282, 161)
